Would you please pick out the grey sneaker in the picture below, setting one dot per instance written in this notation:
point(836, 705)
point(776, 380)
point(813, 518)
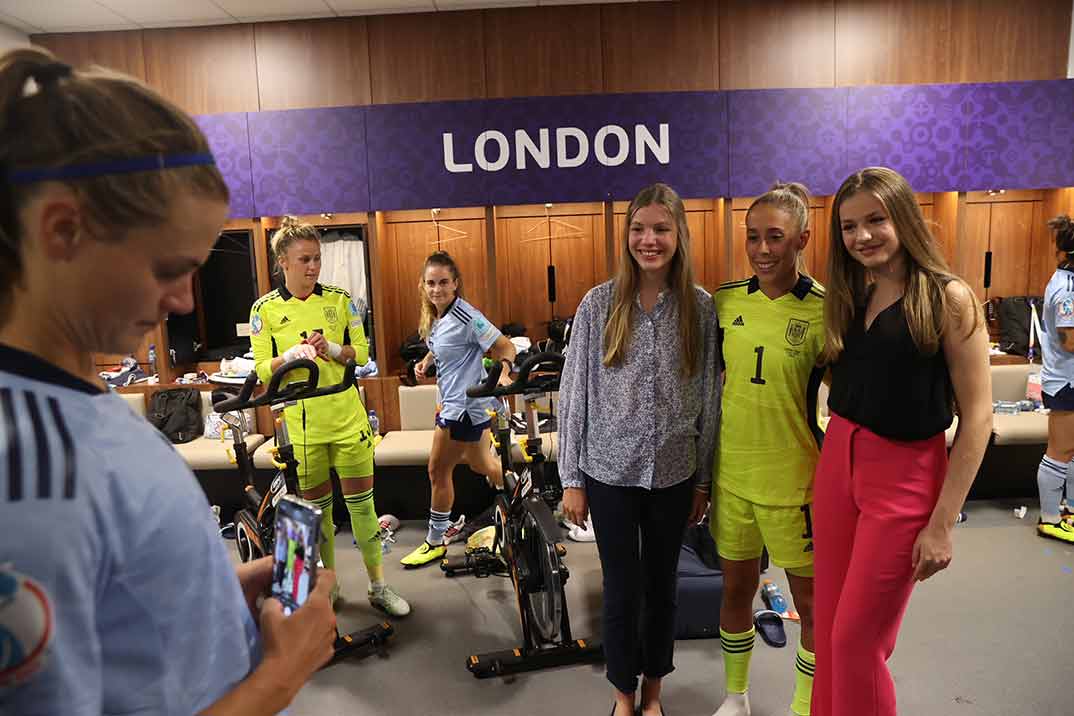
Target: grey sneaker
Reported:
point(388, 601)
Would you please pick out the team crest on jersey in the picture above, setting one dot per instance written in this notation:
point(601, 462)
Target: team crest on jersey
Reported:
point(330, 314)
point(796, 331)
point(1066, 308)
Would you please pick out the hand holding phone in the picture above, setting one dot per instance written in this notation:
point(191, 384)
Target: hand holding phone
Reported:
point(296, 551)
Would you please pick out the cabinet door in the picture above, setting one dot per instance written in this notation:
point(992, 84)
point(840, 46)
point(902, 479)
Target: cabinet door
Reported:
point(412, 243)
point(974, 244)
point(576, 244)
point(816, 251)
point(701, 253)
point(468, 250)
point(1010, 237)
point(524, 264)
point(740, 263)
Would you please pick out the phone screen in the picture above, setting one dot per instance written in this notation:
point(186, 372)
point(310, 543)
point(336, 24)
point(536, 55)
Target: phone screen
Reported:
point(294, 568)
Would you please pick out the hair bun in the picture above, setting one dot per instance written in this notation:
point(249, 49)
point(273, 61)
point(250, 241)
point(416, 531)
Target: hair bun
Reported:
point(796, 188)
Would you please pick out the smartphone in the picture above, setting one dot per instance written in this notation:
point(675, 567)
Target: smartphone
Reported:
point(296, 553)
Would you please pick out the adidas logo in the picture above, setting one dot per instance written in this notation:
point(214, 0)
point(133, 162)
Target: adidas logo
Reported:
point(738, 322)
point(284, 320)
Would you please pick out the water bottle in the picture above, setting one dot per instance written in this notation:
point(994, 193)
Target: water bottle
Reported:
point(374, 422)
point(961, 518)
point(152, 359)
point(773, 597)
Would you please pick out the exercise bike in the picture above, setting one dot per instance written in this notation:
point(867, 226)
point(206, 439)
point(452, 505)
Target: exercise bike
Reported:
point(526, 545)
point(255, 530)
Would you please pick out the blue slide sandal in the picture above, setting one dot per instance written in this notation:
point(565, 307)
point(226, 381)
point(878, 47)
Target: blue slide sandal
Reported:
point(769, 625)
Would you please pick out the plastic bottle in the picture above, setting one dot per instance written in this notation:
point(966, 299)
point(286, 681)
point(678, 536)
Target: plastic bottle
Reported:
point(961, 518)
point(374, 422)
point(153, 359)
point(772, 596)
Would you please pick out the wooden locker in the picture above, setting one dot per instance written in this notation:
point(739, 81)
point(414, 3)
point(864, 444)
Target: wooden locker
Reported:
point(468, 250)
point(1010, 236)
point(526, 257)
point(705, 274)
point(974, 244)
point(412, 243)
point(577, 252)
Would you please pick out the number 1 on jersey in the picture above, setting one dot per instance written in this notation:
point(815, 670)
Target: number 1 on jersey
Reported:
point(757, 379)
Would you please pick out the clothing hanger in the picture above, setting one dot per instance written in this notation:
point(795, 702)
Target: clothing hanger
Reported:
point(574, 232)
point(453, 233)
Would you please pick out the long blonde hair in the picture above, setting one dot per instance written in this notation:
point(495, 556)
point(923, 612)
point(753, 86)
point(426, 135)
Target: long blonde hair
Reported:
point(925, 302)
point(680, 280)
point(428, 309)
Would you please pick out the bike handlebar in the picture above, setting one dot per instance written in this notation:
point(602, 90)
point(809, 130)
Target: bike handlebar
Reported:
point(298, 390)
point(523, 383)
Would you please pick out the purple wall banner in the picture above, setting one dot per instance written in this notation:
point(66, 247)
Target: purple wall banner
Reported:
point(410, 163)
point(546, 149)
point(229, 141)
point(309, 160)
point(916, 130)
point(1018, 135)
point(787, 135)
point(954, 137)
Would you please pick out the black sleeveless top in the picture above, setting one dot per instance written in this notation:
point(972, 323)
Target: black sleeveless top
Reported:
point(882, 382)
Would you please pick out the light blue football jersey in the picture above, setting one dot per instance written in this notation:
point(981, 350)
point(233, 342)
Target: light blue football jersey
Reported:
point(1058, 312)
point(458, 340)
point(98, 508)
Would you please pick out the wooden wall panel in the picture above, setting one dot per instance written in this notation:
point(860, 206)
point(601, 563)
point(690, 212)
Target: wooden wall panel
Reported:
point(787, 44)
point(522, 263)
point(689, 57)
point(468, 250)
point(426, 57)
point(1010, 238)
point(973, 244)
point(577, 260)
point(313, 63)
point(739, 267)
point(205, 70)
point(984, 41)
point(945, 225)
point(1043, 258)
point(538, 51)
point(879, 42)
point(410, 244)
point(1001, 41)
point(120, 51)
point(702, 249)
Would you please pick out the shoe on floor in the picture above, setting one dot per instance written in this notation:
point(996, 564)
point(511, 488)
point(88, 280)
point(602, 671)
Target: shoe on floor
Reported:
point(1060, 530)
point(423, 555)
point(735, 705)
point(454, 530)
point(388, 601)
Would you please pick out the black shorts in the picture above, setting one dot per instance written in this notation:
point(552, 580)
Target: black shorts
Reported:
point(463, 430)
point(1063, 400)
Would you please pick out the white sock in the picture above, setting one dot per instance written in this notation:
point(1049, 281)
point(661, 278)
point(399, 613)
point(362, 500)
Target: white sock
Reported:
point(734, 705)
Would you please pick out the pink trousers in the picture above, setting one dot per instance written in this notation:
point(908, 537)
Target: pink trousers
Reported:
point(872, 496)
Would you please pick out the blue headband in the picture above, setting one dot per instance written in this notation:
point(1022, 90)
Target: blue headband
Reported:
point(155, 162)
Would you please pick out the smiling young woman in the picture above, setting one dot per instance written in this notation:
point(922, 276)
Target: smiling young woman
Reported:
point(906, 342)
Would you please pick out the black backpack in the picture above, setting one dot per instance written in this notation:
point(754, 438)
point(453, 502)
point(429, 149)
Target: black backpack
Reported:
point(413, 348)
point(1014, 323)
point(176, 413)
